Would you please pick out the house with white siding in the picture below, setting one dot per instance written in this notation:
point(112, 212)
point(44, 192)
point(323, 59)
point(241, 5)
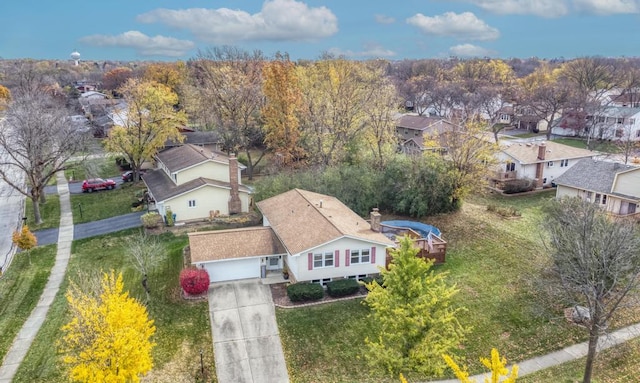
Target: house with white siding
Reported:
point(541, 161)
point(195, 183)
point(613, 186)
point(314, 236)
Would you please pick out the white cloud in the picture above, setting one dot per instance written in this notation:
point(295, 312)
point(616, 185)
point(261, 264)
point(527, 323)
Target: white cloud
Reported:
point(382, 19)
point(143, 44)
point(470, 50)
point(462, 26)
point(372, 50)
point(278, 20)
point(543, 8)
point(607, 7)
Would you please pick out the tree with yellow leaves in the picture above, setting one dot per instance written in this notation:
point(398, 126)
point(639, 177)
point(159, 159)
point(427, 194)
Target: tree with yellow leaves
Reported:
point(108, 338)
point(281, 109)
point(25, 240)
point(496, 365)
point(147, 122)
point(5, 97)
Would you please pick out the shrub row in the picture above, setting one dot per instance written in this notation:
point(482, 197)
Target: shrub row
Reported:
point(518, 186)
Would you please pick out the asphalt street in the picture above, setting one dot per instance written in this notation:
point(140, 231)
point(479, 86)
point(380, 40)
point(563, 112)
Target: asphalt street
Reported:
point(76, 187)
point(90, 229)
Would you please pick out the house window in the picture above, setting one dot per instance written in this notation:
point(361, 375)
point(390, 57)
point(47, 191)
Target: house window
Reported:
point(601, 119)
point(632, 121)
point(597, 200)
point(589, 195)
point(321, 282)
point(192, 203)
point(619, 133)
point(175, 177)
point(564, 163)
point(406, 131)
point(604, 199)
point(550, 164)
point(360, 256)
point(416, 133)
point(620, 120)
point(322, 260)
point(511, 166)
point(637, 133)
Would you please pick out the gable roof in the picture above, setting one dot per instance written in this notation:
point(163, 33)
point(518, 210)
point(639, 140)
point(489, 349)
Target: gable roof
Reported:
point(163, 188)
point(304, 220)
point(527, 152)
point(185, 156)
point(592, 175)
point(228, 244)
point(438, 124)
point(196, 138)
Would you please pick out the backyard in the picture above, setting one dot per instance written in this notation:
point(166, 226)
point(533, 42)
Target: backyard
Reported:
point(497, 263)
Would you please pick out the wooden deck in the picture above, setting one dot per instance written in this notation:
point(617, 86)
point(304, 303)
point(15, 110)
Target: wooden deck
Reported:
point(435, 249)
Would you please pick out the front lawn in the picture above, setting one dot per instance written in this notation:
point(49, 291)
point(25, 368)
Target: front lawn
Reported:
point(601, 146)
point(103, 204)
point(49, 211)
point(496, 264)
point(183, 329)
point(20, 289)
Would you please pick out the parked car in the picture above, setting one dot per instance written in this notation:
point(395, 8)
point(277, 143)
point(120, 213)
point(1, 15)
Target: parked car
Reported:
point(128, 175)
point(90, 185)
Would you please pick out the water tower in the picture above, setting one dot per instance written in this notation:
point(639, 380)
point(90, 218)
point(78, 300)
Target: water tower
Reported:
point(75, 56)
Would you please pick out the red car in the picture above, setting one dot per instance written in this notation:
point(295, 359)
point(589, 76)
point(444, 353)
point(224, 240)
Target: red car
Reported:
point(97, 184)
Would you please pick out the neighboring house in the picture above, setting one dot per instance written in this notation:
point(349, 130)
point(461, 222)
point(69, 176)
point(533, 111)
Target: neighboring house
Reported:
point(610, 123)
point(196, 183)
point(315, 236)
point(613, 186)
point(542, 161)
point(412, 131)
point(209, 139)
point(627, 100)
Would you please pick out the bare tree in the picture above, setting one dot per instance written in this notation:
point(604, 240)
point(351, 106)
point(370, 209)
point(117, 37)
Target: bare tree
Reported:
point(145, 253)
point(596, 260)
point(37, 138)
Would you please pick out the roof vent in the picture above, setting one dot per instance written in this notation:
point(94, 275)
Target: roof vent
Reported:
point(320, 203)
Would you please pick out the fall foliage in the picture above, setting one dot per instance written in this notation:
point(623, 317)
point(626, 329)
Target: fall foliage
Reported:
point(496, 365)
point(108, 338)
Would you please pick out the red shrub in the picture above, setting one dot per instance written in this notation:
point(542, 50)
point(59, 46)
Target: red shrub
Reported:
point(194, 281)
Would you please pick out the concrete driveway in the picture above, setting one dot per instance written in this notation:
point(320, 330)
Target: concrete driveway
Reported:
point(246, 341)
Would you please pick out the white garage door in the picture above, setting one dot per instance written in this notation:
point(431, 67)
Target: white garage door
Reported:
point(233, 269)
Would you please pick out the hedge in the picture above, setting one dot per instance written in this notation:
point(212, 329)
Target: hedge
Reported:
point(305, 291)
point(342, 287)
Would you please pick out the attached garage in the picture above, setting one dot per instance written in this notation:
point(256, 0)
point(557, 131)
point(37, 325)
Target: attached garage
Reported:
point(229, 255)
point(232, 269)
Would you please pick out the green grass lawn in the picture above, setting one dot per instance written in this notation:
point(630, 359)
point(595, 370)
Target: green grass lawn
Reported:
point(49, 211)
point(104, 167)
point(20, 289)
point(496, 264)
point(103, 204)
point(183, 329)
point(604, 146)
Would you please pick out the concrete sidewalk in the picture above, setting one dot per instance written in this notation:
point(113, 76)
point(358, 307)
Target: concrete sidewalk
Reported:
point(246, 341)
point(30, 329)
point(567, 354)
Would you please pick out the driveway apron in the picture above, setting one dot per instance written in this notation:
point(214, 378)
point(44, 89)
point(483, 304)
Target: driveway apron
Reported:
point(246, 341)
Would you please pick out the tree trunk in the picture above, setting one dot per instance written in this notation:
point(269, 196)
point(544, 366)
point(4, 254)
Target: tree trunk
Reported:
point(35, 202)
point(549, 124)
point(594, 335)
point(249, 165)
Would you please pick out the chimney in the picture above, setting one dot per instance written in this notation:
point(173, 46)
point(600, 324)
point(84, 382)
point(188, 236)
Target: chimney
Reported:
point(542, 148)
point(375, 220)
point(235, 206)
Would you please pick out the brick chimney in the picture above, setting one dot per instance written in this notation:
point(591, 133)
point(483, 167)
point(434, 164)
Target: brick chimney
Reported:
point(235, 206)
point(542, 148)
point(375, 220)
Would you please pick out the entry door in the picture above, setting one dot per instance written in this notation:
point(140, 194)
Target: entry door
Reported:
point(273, 263)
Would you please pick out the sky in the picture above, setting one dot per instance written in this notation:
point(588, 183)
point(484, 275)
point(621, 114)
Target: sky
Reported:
point(169, 30)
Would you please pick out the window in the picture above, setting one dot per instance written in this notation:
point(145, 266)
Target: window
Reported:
point(360, 256)
point(597, 200)
point(601, 119)
point(619, 133)
point(632, 121)
point(637, 133)
point(620, 120)
point(511, 166)
point(322, 260)
point(192, 203)
point(550, 164)
point(604, 199)
point(564, 163)
point(321, 282)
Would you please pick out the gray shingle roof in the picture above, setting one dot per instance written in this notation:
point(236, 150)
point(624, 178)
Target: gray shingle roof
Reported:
point(162, 187)
point(184, 156)
point(592, 175)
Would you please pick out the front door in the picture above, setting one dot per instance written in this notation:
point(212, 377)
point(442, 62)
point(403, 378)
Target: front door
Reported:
point(273, 263)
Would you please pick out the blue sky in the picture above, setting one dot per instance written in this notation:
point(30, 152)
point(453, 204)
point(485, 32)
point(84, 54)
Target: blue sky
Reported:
point(171, 30)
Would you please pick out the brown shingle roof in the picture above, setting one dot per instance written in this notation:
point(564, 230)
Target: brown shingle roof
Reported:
point(234, 243)
point(304, 220)
point(434, 124)
point(527, 153)
point(184, 156)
